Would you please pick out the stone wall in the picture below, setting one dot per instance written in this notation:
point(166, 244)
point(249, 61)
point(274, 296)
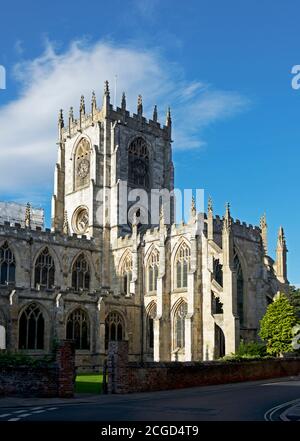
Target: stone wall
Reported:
point(124, 377)
point(56, 380)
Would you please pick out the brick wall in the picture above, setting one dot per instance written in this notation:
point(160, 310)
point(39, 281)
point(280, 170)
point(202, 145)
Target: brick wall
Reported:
point(57, 380)
point(124, 377)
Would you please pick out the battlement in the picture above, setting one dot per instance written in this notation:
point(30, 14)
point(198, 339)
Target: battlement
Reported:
point(39, 234)
point(121, 115)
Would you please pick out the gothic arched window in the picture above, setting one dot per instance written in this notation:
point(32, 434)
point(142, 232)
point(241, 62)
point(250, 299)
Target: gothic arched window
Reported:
point(153, 263)
point(240, 287)
point(182, 265)
point(78, 329)
point(114, 328)
point(179, 325)
point(138, 163)
point(126, 274)
point(150, 325)
point(7, 265)
point(31, 328)
point(80, 273)
point(44, 270)
point(82, 163)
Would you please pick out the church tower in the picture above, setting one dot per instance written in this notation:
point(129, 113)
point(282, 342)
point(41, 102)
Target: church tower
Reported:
point(103, 156)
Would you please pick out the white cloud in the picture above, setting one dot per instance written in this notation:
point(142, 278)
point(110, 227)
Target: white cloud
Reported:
point(56, 80)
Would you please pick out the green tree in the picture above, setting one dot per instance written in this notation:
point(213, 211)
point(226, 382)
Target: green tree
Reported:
point(276, 326)
point(294, 298)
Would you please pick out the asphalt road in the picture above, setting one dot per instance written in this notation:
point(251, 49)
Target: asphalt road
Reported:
point(252, 401)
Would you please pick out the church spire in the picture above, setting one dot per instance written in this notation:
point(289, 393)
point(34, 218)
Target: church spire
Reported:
point(140, 105)
point(154, 118)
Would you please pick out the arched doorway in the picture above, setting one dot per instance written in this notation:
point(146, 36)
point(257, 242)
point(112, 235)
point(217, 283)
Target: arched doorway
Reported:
point(219, 342)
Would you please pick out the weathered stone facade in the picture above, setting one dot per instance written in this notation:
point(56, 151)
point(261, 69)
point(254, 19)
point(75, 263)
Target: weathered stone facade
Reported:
point(175, 292)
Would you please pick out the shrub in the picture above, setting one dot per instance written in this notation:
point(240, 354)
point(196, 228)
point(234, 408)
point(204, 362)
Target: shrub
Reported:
point(14, 359)
point(251, 349)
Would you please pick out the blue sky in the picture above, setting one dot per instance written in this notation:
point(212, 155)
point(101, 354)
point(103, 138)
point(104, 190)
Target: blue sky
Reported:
point(224, 67)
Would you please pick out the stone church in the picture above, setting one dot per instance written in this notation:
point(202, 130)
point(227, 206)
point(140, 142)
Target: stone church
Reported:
point(188, 291)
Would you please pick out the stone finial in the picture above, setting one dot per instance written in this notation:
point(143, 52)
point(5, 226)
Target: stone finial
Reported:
point(94, 101)
point(263, 221)
point(193, 208)
point(227, 218)
point(66, 224)
point(71, 115)
point(60, 123)
point(61, 119)
point(264, 232)
point(154, 117)
point(123, 102)
point(140, 105)
point(82, 106)
point(210, 205)
point(28, 216)
point(106, 88)
point(281, 242)
point(168, 118)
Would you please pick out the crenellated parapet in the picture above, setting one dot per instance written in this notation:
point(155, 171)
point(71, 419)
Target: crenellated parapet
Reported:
point(17, 232)
point(97, 115)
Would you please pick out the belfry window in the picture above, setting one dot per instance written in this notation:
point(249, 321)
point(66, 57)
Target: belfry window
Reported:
point(153, 270)
point(7, 265)
point(31, 328)
point(78, 329)
point(182, 265)
point(114, 328)
point(44, 270)
point(138, 163)
point(80, 274)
